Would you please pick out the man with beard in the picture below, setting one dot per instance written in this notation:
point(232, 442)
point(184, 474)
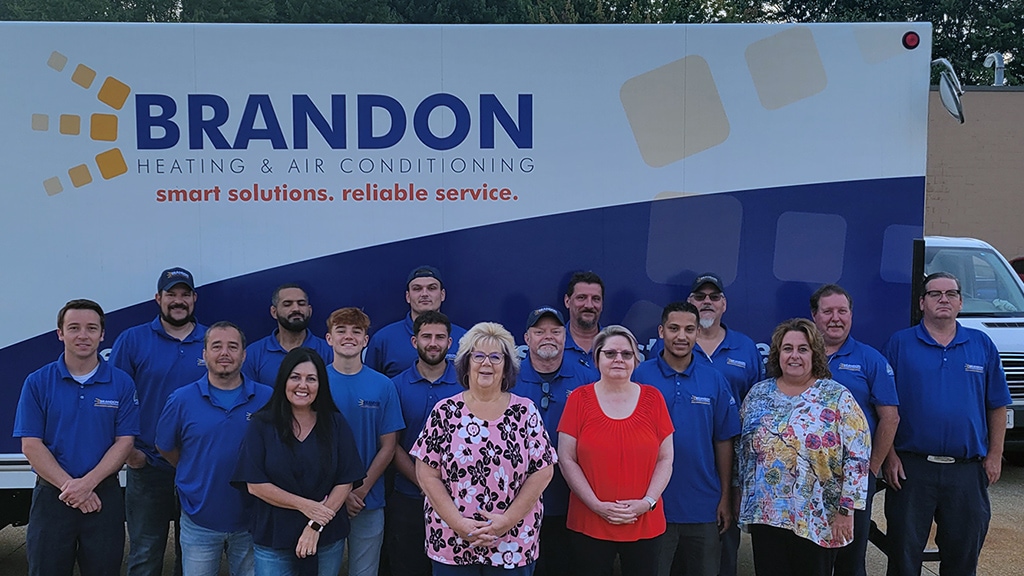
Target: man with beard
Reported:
point(369, 402)
point(290, 306)
point(428, 381)
point(584, 298)
point(389, 352)
point(547, 380)
point(160, 356)
point(698, 505)
point(867, 376)
point(200, 432)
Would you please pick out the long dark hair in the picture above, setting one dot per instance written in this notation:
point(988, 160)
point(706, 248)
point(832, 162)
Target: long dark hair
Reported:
point(278, 410)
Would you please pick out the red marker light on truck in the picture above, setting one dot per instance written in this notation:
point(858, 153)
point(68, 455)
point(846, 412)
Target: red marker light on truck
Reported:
point(911, 40)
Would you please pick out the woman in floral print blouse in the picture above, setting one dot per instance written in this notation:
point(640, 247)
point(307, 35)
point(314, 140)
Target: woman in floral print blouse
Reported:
point(803, 458)
point(483, 460)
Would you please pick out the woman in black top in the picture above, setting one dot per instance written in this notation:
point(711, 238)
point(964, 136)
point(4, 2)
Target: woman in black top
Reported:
point(299, 460)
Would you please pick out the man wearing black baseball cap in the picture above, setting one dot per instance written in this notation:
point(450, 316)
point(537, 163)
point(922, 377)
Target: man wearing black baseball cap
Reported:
point(547, 375)
point(160, 356)
point(389, 351)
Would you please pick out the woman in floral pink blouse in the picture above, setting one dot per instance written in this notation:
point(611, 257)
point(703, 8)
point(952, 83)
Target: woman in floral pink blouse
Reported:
point(803, 458)
point(483, 460)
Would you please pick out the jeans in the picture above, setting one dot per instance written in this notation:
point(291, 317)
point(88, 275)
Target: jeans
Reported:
point(271, 562)
point(850, 560)
point(405, 534)
point(58, 535)
point(481, 570)
point(201, 549)
point(690, 550)
point(730, 550)
point(956, 496)
point(150, 505)
point(365, 536)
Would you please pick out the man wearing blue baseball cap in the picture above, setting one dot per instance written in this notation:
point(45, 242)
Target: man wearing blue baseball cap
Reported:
point(161, 356)
point(547, 375)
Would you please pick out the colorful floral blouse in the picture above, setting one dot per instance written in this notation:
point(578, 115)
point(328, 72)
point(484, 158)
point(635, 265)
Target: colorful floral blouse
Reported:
point(484, 464)
point(801, 458)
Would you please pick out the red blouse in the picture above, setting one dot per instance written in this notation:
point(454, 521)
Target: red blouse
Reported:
point(617, 458)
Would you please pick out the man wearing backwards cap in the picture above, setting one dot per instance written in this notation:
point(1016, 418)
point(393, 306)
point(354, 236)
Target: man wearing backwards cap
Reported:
point(389, 351)
point(547, 380)
point(160, 356)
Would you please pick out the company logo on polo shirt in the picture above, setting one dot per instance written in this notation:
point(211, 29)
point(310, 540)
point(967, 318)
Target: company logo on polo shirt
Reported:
point(700, 400)
point(974, 368)
point(248, 416)
point(851, 367)
point(734, 362)
point(888, 370)
point(374, 404)
point(101, 403)
point(200, 362)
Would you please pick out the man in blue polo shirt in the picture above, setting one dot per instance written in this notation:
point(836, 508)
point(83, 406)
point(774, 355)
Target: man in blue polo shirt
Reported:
point(388, 351)
point(867, 376)
point(290, 306)
point(428, 381)
point(200, 433)
point(547, 375)
point(698, 505)
point(584, 299)
point(160, 356)
point(76, 418)
point(949, 444)
point(735, 356)
point(369, 402)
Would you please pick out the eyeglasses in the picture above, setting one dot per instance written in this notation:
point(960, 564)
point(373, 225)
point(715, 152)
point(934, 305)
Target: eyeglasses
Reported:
point(936, 294)
point(613, 354)
point(702, 296)
point(479, 357)
point(545, 400)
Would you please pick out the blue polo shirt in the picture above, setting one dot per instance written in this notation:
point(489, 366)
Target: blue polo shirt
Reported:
point(576, 353)
point(703, 412)
point(571, 375)
point(263, 357)
point(866, 374)
point(369, 402)
point(77, 423)
point(417, 397)
point(209, 435)
point(736, 358)
point(159, 364)
point(945, 392)
point(391, 352)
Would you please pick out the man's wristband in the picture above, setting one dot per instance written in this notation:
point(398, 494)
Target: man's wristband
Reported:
point(316, 526)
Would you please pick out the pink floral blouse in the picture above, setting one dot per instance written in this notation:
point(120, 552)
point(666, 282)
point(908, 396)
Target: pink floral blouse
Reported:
point(484, 464)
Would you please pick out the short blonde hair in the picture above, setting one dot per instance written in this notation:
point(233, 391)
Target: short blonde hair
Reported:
point(496, 334)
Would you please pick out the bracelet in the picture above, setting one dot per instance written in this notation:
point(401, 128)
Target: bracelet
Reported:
point(316, 526)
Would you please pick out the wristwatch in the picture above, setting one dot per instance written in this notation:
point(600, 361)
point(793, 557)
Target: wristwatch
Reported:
point(844, 511)
point(315, 525)
point(651, 501)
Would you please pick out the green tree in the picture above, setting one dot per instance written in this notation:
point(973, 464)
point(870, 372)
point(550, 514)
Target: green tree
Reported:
point(964, 31)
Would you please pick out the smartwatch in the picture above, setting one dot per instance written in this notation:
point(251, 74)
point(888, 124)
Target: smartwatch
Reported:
point(844, 511)
point(315, 525)
point(651, 501)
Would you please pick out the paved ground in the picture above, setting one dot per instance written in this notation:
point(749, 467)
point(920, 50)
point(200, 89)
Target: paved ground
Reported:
point(1003, 554)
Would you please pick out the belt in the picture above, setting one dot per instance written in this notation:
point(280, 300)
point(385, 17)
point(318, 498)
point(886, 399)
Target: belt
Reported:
point(937, 459)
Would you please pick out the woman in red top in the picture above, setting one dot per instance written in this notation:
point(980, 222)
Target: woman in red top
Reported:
point(615, 450)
